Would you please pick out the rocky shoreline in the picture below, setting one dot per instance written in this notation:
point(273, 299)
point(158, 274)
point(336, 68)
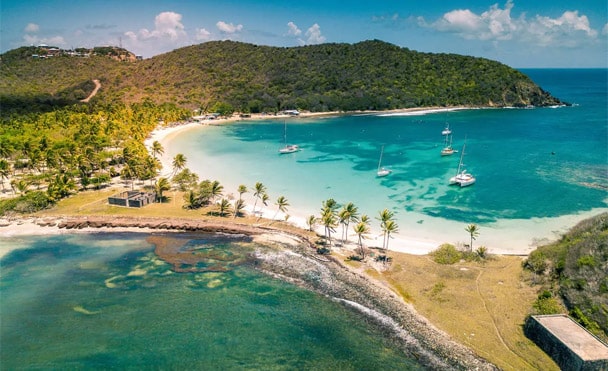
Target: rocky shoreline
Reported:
point(299, 264)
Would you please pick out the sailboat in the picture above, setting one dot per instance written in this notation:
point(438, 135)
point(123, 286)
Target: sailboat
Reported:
point(288, 148)
point(462, 178)
point(381, 170)
point(447, 146)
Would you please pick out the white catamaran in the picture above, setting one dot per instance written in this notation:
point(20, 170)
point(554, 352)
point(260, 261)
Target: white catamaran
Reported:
point(462, 178)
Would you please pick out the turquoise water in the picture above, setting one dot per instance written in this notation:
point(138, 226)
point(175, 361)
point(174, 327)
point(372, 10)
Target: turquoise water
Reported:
point(538, 170)
point(105, 301)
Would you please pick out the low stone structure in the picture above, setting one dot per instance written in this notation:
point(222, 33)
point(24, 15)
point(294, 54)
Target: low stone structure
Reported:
point(570, 345)
point(132, 198)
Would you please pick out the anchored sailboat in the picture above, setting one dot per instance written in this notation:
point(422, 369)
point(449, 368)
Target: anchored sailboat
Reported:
point(288, 148)
point(462, 178)
point(381, 170)
point(447, 146)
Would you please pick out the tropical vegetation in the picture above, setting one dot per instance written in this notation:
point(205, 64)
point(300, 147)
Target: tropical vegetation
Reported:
point(574, 271)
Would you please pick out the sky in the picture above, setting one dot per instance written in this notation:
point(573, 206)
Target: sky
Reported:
point(519, 33)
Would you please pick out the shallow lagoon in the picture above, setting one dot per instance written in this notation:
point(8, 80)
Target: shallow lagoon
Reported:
point(106, 300)
point(539, 171)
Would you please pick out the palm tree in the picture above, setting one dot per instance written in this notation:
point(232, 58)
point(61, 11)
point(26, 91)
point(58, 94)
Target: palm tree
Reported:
point(473, 230)
point(157, 149)
point(349, 213)
point(161, 185)
point(311, 221)
point(242, 189)
point(361, 229)
point(179, 162)
point(282, 203)
point(389, 227)
point(216, 190)
point(385, 216)
point(224, 206)
point(239, 205)
point(191, 200)
point(5, 171)
point(260, 189)
point(328, 219)
point(264, 197)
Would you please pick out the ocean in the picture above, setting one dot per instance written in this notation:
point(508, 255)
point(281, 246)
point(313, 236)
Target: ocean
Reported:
point(538, 170)
point(96, 301)
point(106, 301)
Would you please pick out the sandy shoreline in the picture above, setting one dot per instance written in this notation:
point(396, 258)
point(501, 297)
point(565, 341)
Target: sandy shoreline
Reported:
point(399, 242)
point(503, 239)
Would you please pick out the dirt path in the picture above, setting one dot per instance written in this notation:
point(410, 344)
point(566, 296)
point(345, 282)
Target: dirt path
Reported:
point(496, 330)
point(97, 86)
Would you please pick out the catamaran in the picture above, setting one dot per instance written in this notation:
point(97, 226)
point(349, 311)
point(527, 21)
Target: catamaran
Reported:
point(381, 170)
point(288, 148)
point(462, 178)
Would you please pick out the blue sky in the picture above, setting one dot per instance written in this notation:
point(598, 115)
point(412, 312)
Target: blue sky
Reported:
point(520, 33)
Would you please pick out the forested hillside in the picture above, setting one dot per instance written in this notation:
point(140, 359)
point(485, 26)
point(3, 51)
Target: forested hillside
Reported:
point(249, 78)
point(575, 270)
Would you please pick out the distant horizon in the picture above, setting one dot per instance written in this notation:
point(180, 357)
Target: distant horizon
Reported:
point(518, 33)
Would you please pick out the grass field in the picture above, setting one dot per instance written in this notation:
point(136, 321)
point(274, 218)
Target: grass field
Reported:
point(481, 305)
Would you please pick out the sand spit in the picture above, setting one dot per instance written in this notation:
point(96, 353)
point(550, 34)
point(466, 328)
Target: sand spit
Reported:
point(296, 262)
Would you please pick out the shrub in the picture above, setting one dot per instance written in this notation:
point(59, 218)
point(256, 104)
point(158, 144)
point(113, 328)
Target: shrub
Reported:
point(446, 254)
point(27, 203)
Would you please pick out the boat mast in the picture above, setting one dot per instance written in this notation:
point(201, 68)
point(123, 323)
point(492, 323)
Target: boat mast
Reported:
point(380, 161)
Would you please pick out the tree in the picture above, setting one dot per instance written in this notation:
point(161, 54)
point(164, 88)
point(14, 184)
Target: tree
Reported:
point(191, 200)
point(241, 190)
point(216, 190)
point(224, 206)
point(185, 179)
point(361, 229)
point(282, 204)
point(328, 218)
point(5, 171)
point(389, 227)
point(259, 191)
point(473, 232)
point(157, 149)
point(385, 216)
point(264, 198)
point(179, 162)
point(311, 222)
point(161, 185)
point(349, 213)
point(239, 206)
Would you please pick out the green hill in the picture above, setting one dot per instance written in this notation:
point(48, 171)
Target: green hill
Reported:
point(250, 78)
point(575, 270)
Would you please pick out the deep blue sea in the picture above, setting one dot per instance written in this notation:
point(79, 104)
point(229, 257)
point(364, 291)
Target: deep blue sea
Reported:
point(538, 170)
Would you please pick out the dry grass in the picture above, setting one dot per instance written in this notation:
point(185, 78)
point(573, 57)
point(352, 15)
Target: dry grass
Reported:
point(480, 305)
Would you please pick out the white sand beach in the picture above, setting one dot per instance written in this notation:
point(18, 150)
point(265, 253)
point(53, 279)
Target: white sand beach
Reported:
point(400, 242)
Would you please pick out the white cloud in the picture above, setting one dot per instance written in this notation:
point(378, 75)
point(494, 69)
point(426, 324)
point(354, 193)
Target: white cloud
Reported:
point(228, 28)
point(605, 29)
point(32, 28)
point(496, 24)
point(202, 34)
point(167, 26)
point(51, 41)
point(313, 35)
point(293, 29)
